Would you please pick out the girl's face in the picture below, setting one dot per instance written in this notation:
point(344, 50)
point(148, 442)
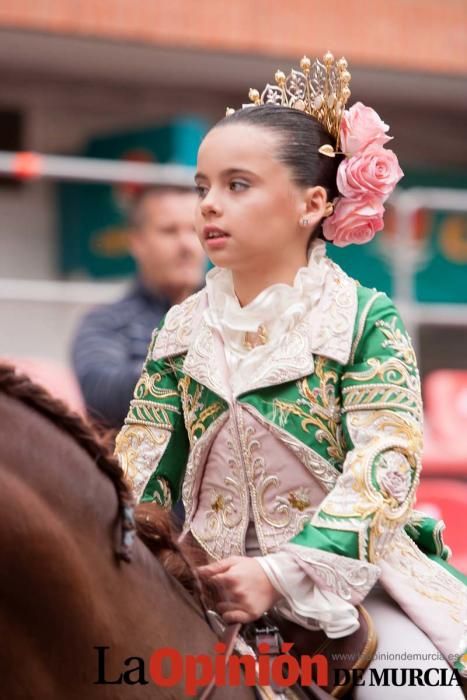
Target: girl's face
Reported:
point(249, 208)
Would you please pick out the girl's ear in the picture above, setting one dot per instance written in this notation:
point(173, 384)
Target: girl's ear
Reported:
point(315, 201)
point(313, 206)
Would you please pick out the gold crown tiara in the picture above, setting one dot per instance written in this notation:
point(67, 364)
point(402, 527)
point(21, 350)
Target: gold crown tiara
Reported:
point(320, 89)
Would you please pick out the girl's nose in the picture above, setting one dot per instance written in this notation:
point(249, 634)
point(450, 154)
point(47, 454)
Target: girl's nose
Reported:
point(209, 205)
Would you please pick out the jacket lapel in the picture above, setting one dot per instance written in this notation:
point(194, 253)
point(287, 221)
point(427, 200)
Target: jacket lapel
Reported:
point(205, 360)
point(326, 330)
point(333, 327)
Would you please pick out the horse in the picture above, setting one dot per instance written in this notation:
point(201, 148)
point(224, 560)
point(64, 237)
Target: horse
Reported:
point(82, 610)
point(86, 608)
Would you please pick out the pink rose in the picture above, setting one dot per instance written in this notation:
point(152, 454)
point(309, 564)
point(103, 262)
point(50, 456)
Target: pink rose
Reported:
point(374, 171)
point(360, 127)
point(354, 221)
point(396, 484)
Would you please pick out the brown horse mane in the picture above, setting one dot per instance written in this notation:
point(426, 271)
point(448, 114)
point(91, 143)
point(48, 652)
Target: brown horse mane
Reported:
point(153, 525)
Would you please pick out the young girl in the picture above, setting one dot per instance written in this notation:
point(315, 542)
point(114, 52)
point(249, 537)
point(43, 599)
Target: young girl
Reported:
point(283, 400)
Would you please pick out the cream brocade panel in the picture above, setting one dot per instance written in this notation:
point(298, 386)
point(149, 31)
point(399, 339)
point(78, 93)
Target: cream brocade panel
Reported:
point(139, 449)
point(320, 469)
point(196, 460)
point(350, 579)
point(251, 474)
point(435, 599)
point(427, 577)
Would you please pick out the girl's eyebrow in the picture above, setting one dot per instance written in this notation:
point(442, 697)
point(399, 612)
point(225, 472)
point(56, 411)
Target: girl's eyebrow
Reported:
point(226, 173)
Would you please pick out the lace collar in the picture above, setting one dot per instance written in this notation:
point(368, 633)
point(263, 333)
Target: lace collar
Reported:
point(278, 308)
point(314, 316)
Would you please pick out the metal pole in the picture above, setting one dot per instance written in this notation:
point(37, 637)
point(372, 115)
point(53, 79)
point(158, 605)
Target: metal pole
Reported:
point(30, 166)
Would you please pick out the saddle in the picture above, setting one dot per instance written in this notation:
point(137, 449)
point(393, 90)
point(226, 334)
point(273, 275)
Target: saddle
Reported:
point(345, 656)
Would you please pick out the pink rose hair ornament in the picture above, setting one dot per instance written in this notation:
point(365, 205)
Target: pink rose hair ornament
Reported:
point(365, 178)
point(369, 172)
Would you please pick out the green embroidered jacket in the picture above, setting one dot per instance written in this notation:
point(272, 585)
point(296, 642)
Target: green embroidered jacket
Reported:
point(349, 391)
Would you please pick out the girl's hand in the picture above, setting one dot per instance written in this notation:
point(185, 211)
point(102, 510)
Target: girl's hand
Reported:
point(246, 590)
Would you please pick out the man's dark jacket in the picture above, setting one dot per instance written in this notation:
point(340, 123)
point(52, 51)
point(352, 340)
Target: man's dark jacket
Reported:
point(109, 350)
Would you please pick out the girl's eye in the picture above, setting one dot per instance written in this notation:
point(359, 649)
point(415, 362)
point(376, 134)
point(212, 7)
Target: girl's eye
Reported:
point(201, 191)
point(238, 185)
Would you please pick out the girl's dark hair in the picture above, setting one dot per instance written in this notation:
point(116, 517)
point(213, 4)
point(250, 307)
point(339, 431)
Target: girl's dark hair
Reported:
point(300, 137)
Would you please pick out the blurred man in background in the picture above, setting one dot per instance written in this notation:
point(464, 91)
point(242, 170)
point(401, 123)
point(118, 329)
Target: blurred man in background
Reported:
point(112, 341)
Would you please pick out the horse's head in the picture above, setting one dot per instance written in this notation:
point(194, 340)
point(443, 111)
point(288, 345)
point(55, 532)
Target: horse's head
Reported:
point(93, 440)
point(153, 524)
point(62, 592)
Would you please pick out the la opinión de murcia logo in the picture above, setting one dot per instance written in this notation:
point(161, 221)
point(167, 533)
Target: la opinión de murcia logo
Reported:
point(167, 667)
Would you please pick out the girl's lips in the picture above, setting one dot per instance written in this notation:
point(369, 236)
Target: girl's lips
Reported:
point(213, 231)
point(215, 243)
point(214, 237)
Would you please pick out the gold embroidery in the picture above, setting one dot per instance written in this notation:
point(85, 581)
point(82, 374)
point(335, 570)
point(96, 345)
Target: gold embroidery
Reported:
point(150, 413)
point(380, 475)
point(139, 450)
point(250, 486)
point(223, 510)
point(391, 371)
point(280, 516)
point(147, 386)
point(195, 413)
point(218, 504)
point(196, 459)
point(362, 324)
point(164, 498)
point(397, 341)
point(319, 407)
point(299, 500)
point(323, 471)
point(374, 396)
point(252, 340)
point(225, 524)
point(151, 404)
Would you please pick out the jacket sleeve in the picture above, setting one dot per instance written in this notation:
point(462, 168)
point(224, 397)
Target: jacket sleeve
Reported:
point(382, 425)
point(153, 445)
point(332, 564)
